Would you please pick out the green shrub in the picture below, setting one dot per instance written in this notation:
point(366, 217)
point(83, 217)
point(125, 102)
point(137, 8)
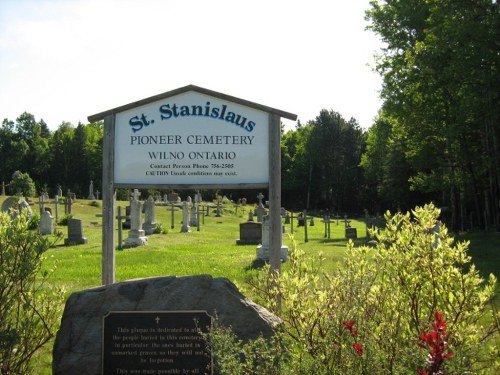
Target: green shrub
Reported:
point(34, 221)
point(160, 229)
point(369, 315)
point(64, 220)
point(29, 310)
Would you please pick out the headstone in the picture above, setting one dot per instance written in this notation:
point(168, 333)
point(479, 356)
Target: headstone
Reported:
point(243, 201)
point(260, 211)
point(193, 219)
point(301, 220)
point(250, 233)
point(185, 218)
point(263, 249)
point(81, 340)
point(250, 215)
point(91, 191)
point(59, 191)
point(173, 197)
point(136, 235)
point(46, 223)
point(351, 232)
point(75, 233)
point(15, 205)
point(287, 218)
point(149, 216)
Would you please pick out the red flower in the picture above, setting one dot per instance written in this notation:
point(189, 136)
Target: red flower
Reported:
point(436, 344)
point(439, 325)
point(358, 349)
point(350, 327)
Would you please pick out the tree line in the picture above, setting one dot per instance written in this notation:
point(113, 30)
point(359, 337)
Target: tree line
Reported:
point(434, 139)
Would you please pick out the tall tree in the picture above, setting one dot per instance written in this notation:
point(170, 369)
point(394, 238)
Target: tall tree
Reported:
point(63, 153)
point(336, 146)
point(440, 70)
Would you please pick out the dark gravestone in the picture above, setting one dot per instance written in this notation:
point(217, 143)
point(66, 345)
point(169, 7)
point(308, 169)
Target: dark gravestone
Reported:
point(78, 346)
point(250, 233)
point(351, 232)
point(75, 233)
point(155, 342)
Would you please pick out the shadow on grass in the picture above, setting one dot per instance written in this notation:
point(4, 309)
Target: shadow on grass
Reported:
point(342, 241)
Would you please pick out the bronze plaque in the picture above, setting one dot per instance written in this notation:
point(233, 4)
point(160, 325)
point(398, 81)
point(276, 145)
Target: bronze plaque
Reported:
point(155, 343)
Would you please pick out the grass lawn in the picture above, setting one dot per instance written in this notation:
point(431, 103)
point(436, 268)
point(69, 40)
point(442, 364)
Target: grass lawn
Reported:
point(212, 250)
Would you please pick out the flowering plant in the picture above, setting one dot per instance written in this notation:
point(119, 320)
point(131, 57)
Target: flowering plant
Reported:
point(435, 341)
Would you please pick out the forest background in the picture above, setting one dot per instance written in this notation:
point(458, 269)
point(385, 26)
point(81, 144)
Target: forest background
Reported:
point(434, 139)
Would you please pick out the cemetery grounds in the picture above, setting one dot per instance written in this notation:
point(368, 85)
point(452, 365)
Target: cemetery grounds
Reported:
point(212, 250)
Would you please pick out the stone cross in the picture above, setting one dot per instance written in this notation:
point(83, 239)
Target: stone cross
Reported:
point(136, 235)
point(260, 211)
point(136, 194)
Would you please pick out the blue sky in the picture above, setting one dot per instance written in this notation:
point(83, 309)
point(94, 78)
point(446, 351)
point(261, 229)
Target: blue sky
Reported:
point(63, 60)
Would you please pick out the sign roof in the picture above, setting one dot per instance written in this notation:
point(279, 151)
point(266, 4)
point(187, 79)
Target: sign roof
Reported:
point(102, 115)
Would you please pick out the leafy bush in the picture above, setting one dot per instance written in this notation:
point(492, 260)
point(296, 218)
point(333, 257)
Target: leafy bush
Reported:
point(369, 315)
point(64, 220)
point(29, 310)
point(34, 221)
point(160, 229)
point(22, 184)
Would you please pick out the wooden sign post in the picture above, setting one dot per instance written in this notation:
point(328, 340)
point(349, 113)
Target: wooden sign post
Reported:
point(191, 138)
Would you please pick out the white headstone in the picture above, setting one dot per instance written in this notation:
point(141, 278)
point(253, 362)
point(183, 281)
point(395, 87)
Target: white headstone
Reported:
point(46, 223)
point(263, 249)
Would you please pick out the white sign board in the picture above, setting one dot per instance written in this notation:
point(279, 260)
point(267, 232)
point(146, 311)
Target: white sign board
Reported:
point(191, 139)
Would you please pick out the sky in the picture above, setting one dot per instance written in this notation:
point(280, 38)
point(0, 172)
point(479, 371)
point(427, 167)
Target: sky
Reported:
point(63, 60)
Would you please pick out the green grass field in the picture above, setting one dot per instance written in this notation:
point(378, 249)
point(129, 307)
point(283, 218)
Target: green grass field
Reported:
point(212, 250)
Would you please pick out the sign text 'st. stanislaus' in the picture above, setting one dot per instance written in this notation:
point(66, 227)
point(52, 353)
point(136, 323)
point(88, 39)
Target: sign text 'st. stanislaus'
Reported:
point(200, 140)
point(221, 113)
